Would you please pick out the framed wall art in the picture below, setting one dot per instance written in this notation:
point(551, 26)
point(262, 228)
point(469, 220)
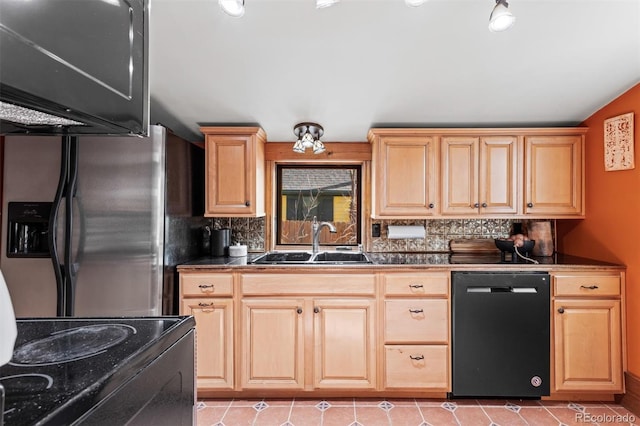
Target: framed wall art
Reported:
point(618, 143)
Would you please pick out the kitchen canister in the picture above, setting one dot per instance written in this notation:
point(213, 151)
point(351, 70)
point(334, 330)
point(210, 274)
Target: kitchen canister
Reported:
point(541, 233)
point(220, 240)
point(238, 250)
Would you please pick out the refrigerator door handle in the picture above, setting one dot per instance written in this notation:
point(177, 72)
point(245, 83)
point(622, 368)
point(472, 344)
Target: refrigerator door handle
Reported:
point(70, 192)
point(61, 301)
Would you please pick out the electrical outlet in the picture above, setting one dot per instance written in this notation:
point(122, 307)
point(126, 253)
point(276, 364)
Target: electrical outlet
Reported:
point(375, 229)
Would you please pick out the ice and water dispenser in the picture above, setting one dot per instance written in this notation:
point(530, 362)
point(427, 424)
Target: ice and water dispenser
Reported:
point(28, 233)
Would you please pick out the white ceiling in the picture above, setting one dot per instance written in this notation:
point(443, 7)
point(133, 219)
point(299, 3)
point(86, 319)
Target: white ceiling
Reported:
point(375, 63)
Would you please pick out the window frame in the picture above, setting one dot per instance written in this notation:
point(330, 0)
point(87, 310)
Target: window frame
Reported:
point(359, 168)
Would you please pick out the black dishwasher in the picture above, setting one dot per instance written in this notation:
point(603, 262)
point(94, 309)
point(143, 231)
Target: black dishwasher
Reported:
point(500, 334)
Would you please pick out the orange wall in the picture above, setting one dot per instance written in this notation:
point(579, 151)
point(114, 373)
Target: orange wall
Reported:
point(611, 229)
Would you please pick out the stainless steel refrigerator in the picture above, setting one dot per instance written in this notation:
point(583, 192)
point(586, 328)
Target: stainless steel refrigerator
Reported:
point(136, 213)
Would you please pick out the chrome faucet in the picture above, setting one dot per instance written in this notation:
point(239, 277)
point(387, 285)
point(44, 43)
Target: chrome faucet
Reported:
point(316, 227)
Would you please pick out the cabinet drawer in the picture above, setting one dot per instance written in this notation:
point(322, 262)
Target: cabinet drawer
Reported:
point(210, 284)
point(586, 285)
point(416, 321)
point(417, 366)
point(312, 284)
point(416, 284)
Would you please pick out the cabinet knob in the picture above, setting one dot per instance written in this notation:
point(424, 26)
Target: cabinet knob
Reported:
point(431, 205)
point(484, 205)
point(416, 311)
point(247, 203)
point(299, 310)
point(416, 357)
point(590, 287)
point(316, 309)
point(529, 205)
point(561, 310)
point(476, 205)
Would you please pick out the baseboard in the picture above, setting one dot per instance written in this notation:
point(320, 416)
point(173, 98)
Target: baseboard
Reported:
point(631, 399)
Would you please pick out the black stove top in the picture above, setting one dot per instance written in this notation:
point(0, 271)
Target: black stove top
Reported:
point(60, 366)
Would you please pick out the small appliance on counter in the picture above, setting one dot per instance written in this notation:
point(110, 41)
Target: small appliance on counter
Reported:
point(220, 241)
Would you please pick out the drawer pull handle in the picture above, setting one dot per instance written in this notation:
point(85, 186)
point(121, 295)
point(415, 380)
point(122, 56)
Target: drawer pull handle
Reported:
point(416, 311)
point(206, 286)
point(561, 310)
point(205, 305)
point(416, 357)
point(590, 287)
point(416, 286)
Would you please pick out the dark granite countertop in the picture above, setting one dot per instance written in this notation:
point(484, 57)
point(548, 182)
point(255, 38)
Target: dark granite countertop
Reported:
point(428, 260)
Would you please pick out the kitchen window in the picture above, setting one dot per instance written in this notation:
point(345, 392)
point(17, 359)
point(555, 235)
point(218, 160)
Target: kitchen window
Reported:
point(330, 193)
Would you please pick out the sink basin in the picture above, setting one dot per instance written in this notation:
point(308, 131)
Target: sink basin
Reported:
point(306, 257)
point(284, 257)
point(341, 257)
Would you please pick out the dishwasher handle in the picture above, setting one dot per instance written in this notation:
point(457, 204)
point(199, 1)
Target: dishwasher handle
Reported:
point(496, 289)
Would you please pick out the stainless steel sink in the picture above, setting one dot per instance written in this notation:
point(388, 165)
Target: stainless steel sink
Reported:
point(341, 257)
point(307, 257)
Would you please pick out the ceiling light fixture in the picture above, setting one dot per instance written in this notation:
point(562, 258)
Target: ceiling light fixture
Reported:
point(500, 18)
point(308, 137)
point(414, 3)
point(321, 4)
point(233, 8)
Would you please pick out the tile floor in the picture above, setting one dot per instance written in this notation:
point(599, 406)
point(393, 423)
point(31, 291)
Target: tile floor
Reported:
point(408, 412)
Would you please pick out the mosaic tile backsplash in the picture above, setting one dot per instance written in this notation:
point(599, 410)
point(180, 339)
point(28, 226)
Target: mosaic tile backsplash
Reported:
point(439, 233)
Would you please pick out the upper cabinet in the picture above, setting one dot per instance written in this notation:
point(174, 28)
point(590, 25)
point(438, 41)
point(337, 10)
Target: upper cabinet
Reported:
point(404, 174)
point(554, 175)
point(479, 175)
point(500, 172)
point(234, 171)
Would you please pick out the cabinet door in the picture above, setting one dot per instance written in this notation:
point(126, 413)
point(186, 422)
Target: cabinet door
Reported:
point(214, 340)
point(479, 175)
point(344, 342)
point(554, 175)
point(273, 343)
point(498, 175)
point(234, 173)
point(588, 345)
point(460, 162)
point(405, 177)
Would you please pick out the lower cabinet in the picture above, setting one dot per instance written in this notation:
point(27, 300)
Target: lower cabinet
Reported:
point(278, 333)
point(207, 297)
point(588, 332)
point(416, 331)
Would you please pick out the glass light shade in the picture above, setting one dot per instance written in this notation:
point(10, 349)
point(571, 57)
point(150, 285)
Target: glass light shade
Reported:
point(320, 4)
point(500, 18)
point(414, 3)
point(297, 147)
point(307, 140)
point(318, 147)
point(233, 8)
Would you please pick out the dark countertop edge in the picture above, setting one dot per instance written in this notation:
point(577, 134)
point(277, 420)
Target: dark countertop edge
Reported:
point(557, 262)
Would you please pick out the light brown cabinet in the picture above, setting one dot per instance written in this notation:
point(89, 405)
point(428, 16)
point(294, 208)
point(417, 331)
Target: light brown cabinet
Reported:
point(554, 175)
point(500, 172)
point(207, 296)
point(479, 175)
point(337, 332)
point(235, 171)
point(404, 175)
point(416, 331)
point(588, 332)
